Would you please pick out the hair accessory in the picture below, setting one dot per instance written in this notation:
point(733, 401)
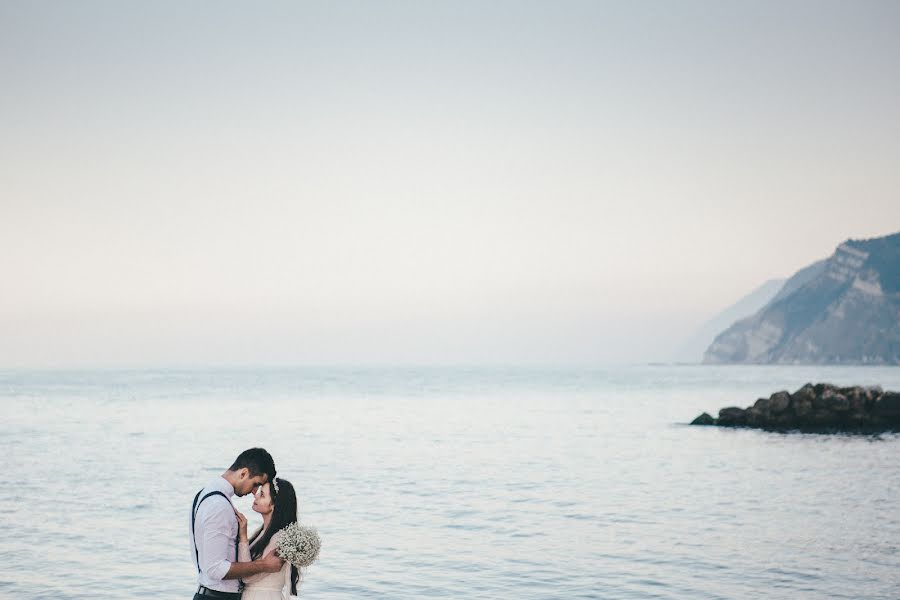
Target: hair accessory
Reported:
point(275, 484)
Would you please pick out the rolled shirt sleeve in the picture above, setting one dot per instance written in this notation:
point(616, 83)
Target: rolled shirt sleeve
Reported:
point(217, 547)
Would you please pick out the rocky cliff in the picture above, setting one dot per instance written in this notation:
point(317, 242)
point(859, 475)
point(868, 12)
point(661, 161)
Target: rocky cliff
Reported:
point(845, 310)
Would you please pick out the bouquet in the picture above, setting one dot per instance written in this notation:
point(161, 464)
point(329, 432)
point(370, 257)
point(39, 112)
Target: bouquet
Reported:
point(299, 545)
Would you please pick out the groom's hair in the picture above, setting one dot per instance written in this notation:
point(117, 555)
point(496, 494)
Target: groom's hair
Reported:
point(257, 461)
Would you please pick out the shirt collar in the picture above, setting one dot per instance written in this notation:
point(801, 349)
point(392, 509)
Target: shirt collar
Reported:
point(225, 487)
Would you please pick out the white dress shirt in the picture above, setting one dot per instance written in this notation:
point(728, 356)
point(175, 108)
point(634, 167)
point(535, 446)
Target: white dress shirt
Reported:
point(216, 531)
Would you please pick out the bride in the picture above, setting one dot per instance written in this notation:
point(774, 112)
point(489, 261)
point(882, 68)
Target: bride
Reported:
point(276, 502)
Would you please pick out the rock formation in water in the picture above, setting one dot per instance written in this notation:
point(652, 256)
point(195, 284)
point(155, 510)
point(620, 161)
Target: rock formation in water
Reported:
point(844, 310)
point(820, 407)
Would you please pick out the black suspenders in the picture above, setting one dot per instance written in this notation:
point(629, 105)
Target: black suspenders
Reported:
point(194, 519)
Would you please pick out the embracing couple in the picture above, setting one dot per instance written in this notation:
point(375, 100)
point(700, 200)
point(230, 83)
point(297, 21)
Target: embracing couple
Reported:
point(230, 565)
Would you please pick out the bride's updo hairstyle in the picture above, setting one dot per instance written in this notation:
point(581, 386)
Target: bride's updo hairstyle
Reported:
point(284, 512)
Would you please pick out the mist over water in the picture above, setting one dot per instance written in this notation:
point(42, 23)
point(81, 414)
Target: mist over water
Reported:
point(477, 483)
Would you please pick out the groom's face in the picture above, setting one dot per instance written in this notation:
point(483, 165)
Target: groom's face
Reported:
point(249, 484)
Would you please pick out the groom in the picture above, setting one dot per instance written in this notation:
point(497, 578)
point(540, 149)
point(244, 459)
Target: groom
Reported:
point(214, 527)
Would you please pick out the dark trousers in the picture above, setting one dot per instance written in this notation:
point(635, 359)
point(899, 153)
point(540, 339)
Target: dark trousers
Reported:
point(213, 595)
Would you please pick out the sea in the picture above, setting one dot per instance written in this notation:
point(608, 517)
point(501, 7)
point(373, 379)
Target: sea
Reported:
point(442, 482)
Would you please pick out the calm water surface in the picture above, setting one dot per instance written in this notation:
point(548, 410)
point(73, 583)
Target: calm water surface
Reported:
point(453, 483)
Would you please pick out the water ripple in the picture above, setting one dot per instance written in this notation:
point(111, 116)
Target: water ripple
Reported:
point(453, 483)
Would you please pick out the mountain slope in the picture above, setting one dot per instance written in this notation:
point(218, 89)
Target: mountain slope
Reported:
point(847, 311)
point(692, 350)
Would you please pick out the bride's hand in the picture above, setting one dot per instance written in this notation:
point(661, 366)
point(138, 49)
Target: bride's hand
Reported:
point(242, 526)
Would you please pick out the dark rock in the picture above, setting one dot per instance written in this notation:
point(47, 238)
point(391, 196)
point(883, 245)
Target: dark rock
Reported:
point(807, 386)
point(755, 417)
point(820, 408)
point(820, 402)
point(732, 417)
point(802, 399)
point(857, 400)
point(835, 401)
point(704, 419)
point(888, 406)
point(783, 421)
point(873, 393)
point(859, 421)
point(779, 402)
point(821, 388)
point(822, 418)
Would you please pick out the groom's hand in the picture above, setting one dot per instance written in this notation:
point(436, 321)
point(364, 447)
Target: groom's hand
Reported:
point(271, 563)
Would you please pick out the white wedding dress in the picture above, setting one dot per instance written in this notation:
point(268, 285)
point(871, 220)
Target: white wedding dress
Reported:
point(266, 586)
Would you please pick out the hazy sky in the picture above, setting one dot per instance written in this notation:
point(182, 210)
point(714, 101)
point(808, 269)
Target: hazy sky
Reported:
point(196, 183)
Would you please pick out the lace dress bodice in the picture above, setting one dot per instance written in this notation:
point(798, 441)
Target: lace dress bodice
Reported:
point(266, 586)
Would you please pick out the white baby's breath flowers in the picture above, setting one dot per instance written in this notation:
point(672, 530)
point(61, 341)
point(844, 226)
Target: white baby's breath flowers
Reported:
point(299, 545)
